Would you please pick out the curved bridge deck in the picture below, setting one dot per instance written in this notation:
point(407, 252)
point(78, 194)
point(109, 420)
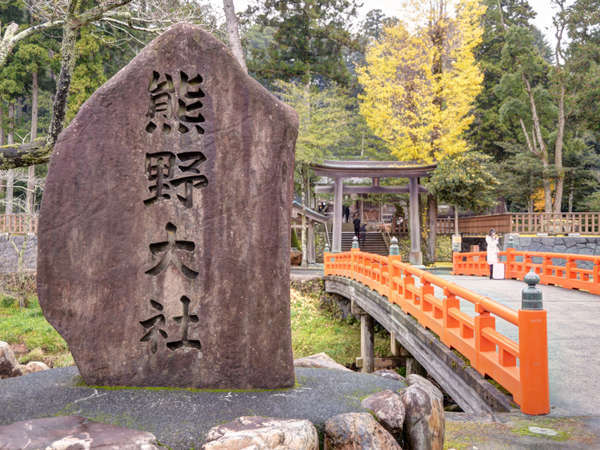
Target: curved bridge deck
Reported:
point(573, 339)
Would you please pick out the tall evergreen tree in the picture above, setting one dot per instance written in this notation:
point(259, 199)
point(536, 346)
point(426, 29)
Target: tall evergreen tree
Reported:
point(309, 41)
point(488, 132)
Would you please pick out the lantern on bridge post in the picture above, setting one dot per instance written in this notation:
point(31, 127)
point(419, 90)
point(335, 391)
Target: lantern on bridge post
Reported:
point(533, 349)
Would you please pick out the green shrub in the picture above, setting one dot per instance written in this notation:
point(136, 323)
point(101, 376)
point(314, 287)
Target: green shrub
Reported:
point(8, 301)
point(295, 242)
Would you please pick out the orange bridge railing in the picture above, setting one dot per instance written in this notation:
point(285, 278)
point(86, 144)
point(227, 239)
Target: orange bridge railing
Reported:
point(521, 367)
point(566, 270)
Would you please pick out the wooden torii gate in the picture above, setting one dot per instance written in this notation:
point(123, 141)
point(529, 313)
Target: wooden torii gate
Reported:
point(338, 170)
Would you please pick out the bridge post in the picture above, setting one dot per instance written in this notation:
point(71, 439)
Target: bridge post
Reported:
point(414, 367)
point(367, 337)
point(533, 349)
point(367, 343)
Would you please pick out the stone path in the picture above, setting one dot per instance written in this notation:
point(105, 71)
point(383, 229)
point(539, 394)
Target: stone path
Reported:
point(180, 418)
point(573, 339)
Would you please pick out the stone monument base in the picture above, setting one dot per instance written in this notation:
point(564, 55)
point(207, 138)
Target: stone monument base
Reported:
point(180, 418)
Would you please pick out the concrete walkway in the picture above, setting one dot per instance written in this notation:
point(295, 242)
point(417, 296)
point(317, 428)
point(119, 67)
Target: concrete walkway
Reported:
point(573, 339)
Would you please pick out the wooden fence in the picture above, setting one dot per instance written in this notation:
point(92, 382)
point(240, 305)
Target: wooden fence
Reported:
point(18, 223)
point(560, 269)
point(520, 367)
point(523, 223)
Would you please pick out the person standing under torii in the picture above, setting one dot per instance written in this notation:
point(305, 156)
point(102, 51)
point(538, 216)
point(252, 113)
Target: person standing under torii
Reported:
point(346, 213)
point(356, 223)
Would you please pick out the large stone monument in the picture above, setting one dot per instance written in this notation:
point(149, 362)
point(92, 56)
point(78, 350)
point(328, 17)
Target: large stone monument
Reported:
point(164, 230)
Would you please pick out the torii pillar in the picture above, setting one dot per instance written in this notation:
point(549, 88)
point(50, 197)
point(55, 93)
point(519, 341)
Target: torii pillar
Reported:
point(338, 195)
point(415, 256)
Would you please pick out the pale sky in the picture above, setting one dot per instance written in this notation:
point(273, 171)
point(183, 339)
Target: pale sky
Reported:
point(543, 19)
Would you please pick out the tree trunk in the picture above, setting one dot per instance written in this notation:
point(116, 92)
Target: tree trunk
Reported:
point(1, 123)
point(67, 64)
point(541, 145)
point(30, 194)
point(233, 33)
point(1, 140)
point(10, 174)
point(304, 234)
point(558, 151)
point(571, 193)
point(432, 207)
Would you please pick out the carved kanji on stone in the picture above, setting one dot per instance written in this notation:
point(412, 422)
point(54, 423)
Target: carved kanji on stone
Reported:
point(185, 320)
point(166, 171)
point(167, 251)
point(172, 105)
point(154, 332)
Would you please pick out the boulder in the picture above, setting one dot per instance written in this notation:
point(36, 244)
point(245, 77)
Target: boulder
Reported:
point(9, 367)
point(388, 409)
point(319, 361)
point(388, 373)
point(73, 432)
point(353, 431)
point(431, 388)
point(34, 366)
point(164, 230)
point(295, 257)
point(263, 433)
point(424, 418)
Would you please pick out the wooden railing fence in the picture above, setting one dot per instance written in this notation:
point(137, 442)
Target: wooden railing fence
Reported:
point(523, 223)
point(567, 270)
point(520, 366)
point(18, 223)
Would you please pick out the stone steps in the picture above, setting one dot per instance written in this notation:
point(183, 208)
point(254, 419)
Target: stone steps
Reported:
point(373, 243)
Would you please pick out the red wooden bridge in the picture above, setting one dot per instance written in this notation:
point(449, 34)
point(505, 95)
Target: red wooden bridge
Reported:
point(520, 366)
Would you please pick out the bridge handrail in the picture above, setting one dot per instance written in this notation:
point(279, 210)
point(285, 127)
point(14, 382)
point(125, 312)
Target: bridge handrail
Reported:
point(520, 367)
point(568, 276)
point(486, 303)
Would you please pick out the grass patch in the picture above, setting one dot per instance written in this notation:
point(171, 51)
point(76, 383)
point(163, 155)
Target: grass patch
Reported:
point(27, 329)
point(523, 430)
point(317, 328)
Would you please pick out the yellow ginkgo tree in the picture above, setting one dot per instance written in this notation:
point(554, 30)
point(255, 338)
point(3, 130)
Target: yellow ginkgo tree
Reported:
point(421, 79)
point(420, 82)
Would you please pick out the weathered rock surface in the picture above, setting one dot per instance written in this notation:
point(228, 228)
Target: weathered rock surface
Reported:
point(34, 366)
point(263, 433)
point(424, 421)
point(295, 257)
point(9, 367)
point(355, 431)
point(423, 382)
point(164, 229)
point(388, 373)
point(73, 432)
point(388, 408)
point(319, 361)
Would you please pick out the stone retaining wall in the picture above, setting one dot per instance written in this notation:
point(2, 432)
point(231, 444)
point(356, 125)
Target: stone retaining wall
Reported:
point(11, 246)
point(579, 245)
